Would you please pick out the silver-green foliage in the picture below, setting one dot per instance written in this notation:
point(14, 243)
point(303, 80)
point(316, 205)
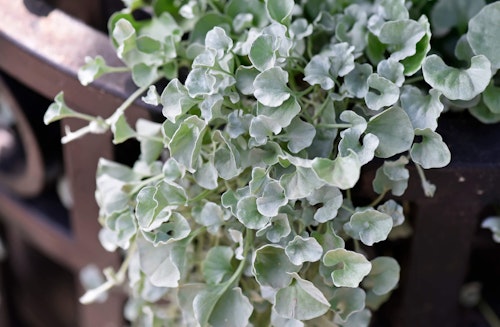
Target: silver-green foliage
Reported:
point(239, 209)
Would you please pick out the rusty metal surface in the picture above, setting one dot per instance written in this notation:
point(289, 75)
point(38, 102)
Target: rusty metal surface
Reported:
point(30, 180)
point(44, 52)
point(51, 49)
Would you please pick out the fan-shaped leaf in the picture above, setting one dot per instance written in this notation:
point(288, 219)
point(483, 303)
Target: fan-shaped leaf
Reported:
point(455, 83)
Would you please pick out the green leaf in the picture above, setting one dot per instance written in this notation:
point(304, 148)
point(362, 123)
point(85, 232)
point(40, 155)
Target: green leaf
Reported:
point(154, 204)
point(186, 142)
point(300, 184)
point(124, 35)
point(270, 87)
point(218, 40)
point(232, 310)
point(157, 264)
point(143, 74)
point(317, 72)
point(207, 22)
point(392, 176)
point(148, 44)
point(111, 178)
point(482, 113)
point(254, 7)
point(149, 136)
point(456, 83)
point(217, 266)
point(393, 209)
point(357, 319)
point(281, 116)
point(301, 300)
point(493, 224)
point(248, 214)
point(381, 92)
point(273, 198)
point(402, 37)
point(206, 176)
point(200, 82)
point(280, 321)
point(483, 31)
point(391, 70)
point(413, 63)
point(350, 138)
point(432, 152)
point(245, 77)
point(175, 229)
point(463, 51)
point(279, 228)
point(152, 97)
point(491, 98)
point(423, 110)
point(58, 110)
point(384, 275)
point(263, 52)
point(299, 135)
point(370, 226)
point(374, 301)
point(343, 172)
point(271, 266)
point(446, 15)
point(349, 268)
point(331, 198)
point(210, 215)
point(118, 230)
point(280, 10)
point(356, 82)
point(171, 170)
point(347, 301)
point(324, 68)
point(394, 131)
point(216, 306)
point(394, 9)
point(300, 250)
point(226, 159)
point(175, 100)
point(92, 70)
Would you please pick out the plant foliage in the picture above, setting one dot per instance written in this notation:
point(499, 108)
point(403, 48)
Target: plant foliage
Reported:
point(239, 209)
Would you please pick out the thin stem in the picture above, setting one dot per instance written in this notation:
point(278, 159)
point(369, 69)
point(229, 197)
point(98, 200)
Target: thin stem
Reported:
point(414, 79)
point(348, 209)
point(378, 199)
point(118, 279)
point(335, 125)
point(145, 182)
point(134, 96)
point(120, 275)
point(357, 246)
point(200, 196)
point(122, 69)
point(428, 187)
point(488, 314)
point(246, 248)
point(71, 136)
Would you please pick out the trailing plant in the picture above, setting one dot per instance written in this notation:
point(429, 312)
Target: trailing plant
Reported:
point(240, 208)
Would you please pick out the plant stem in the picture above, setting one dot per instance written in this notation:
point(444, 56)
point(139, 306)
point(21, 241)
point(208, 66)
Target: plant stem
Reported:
point(488, 314)
point(246, 248)
point(378, 199)
point(414, 79)
point(335, 125)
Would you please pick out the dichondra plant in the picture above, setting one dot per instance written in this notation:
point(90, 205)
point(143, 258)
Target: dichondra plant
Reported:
point(239, 209)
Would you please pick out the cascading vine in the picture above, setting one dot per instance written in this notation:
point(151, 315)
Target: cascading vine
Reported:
point(239, 208)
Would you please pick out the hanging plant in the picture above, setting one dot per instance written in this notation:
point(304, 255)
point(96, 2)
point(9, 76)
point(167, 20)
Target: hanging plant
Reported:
point(240, 209)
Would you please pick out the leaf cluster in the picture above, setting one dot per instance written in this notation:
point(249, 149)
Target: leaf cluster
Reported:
point(239, 209)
